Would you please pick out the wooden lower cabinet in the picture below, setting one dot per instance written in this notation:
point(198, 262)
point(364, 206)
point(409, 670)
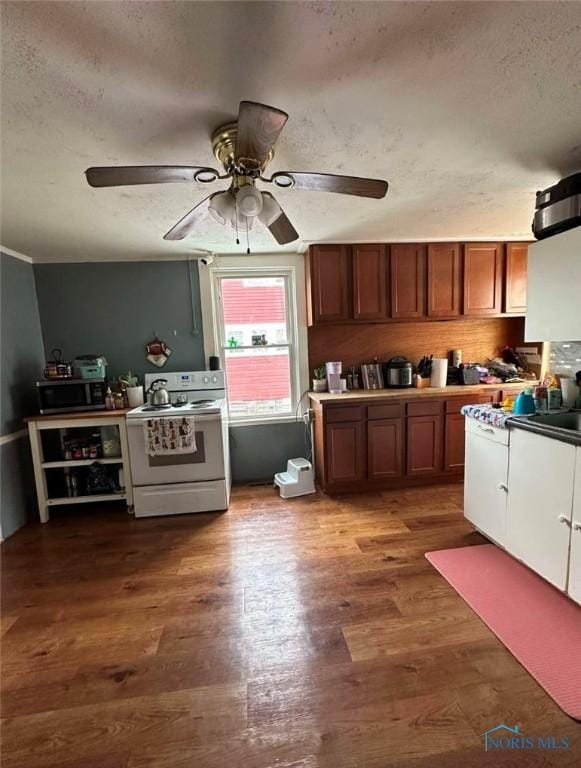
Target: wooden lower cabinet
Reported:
point(424, 445)
point(454, 443)
point(391, 443)
point(344, 448)
point(384, 449)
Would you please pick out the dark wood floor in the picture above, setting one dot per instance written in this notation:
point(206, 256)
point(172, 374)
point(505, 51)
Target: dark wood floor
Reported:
point(293, 634)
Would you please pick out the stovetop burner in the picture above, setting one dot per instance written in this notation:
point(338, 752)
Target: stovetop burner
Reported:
point(156, 407)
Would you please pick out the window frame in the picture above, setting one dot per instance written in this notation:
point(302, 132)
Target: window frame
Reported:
point(291, 267)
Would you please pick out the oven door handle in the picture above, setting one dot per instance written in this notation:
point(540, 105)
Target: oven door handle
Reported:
point(198, 419)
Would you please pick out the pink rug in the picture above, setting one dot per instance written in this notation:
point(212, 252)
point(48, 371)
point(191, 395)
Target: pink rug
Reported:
point(539, 626)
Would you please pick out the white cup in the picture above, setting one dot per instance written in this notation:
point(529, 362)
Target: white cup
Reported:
point(134, 396)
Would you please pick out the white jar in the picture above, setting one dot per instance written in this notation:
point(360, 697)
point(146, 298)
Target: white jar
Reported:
point(134, 396)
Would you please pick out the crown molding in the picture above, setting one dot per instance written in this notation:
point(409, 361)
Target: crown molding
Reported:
point(16, 254)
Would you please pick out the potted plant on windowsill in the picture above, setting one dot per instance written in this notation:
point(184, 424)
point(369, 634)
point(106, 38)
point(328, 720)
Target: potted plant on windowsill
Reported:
point(320, 379)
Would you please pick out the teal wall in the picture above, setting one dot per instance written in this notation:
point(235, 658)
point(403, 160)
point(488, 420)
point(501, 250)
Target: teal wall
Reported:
point(257, 452)
point(21, 363)
point(114, 308)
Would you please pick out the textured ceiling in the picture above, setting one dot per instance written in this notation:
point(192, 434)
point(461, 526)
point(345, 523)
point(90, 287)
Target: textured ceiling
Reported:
point(466, 108)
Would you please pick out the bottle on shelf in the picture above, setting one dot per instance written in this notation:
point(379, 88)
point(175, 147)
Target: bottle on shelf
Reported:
point(109, 400)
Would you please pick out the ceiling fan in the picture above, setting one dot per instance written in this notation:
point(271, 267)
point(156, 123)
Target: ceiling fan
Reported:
point(244, 148)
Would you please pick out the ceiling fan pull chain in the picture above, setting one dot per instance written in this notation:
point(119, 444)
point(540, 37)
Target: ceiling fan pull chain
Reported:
point(236, 220)
point(247, 238)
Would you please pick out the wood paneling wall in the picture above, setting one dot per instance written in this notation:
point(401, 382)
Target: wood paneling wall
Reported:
point(360, 343)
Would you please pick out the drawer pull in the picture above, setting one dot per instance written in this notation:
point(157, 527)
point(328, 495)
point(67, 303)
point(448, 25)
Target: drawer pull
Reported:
point(486, 429)
point(503, 487)
point(564, 519)
point(576, 526)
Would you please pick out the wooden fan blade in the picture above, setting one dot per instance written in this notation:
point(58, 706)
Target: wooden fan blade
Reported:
point(281, 228)
point(259, 127)
point(116, 176)
point(190, 220)
point(328, 182)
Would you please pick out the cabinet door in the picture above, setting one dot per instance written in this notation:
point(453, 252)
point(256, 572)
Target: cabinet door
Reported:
point(485, 484)
point(515, 297)
point(454, 442)
point(329, 283)
point(408, 278)
point(369, 282)
point(344, 448)
point(482, 279)
point(424, 445)
point(574, 586)
point(384, 448)
point(443, 280)
point(540, 500)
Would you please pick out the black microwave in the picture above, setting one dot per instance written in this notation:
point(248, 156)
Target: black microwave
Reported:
point(64, 395)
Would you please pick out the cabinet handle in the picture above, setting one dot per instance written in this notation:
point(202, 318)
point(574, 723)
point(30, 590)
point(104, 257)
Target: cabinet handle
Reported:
point(485, 429)
point(503, 487)
point(576, 526)
point(564, 519)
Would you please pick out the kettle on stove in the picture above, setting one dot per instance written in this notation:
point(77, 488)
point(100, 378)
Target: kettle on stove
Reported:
point(158, 393)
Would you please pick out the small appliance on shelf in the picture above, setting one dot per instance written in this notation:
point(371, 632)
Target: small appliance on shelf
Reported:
point(398, 372)
point(372, 376)
point(68, 395)
point(90, 366)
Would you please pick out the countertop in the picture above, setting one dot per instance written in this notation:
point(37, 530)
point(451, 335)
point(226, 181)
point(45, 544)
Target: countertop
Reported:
point(409, 393)
point(104, 414)
point(571, 436)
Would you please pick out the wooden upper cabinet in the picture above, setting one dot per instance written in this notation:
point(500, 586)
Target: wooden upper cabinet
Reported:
point(515, 297)
point(329, 283)
point(483, 279)
point(444, 280)
point(369, 282)
point(408, 281)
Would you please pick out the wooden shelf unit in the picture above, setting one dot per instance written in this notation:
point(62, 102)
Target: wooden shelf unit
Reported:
point(89, 420)
point(80, 463)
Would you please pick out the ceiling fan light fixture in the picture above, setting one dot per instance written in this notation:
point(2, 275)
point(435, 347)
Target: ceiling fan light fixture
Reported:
point(283, 180)
point(271, 210)
point(222, 207)
point(205, 175)
point(248, 201)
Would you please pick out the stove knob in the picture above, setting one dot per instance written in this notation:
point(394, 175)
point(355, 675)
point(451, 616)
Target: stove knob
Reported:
point(205, 380)
point(215, 379)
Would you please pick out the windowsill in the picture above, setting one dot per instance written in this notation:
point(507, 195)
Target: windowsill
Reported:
point(256, 421)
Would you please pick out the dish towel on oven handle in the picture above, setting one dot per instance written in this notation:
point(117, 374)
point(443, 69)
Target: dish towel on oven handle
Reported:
point(170, 434)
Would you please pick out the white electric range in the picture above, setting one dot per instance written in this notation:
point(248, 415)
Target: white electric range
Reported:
point(182, 483)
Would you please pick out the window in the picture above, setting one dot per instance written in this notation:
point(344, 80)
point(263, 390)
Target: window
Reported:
point(256, 334)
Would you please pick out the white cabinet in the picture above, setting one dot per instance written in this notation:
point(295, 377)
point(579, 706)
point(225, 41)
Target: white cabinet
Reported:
point(553, 279)
point(485, 479)
point(574, 587)
point(540, 501)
